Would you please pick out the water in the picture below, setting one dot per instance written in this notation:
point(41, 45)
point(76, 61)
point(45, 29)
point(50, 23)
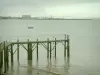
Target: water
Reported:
point(84, 43)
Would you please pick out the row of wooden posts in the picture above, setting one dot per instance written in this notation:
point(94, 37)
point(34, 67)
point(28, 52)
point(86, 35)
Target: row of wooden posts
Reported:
point(4, 57)
point(31, 45)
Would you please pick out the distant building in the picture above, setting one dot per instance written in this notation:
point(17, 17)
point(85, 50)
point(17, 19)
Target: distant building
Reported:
point(26, 16)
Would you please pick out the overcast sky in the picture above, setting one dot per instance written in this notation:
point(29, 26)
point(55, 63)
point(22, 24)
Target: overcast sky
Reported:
point(57, 8)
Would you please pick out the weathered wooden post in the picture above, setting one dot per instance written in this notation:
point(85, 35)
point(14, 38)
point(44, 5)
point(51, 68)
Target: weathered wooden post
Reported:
point(7, 54)
point(0, 62)
point(37, 51)
point(50, 51)
point(18, 51)
point(68, 50)
point(29, 54)
point(47, 48)
point(12, 54)
point(65, 47)
point(5, 58)
point(1, 58)
point(55, 48)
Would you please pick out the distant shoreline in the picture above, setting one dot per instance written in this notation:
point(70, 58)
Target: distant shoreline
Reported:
point(28, 17)
point(40, 19)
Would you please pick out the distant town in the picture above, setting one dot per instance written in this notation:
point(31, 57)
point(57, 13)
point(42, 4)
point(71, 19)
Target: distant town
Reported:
point(36, 18)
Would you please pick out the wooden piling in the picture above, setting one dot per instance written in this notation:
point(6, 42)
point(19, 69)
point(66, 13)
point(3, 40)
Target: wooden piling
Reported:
point(68, 48)
point(18, 51)
point(0, 63)
point(37, 51)
point(29, 54)
point(7, 54)
point(1, 60)
point(50, 51)
point(55, 48)
point(47, 48)
point(65, 47)
point(5, 59)
point(12, 54)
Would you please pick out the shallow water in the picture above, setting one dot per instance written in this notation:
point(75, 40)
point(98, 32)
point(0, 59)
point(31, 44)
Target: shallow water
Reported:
point(50, 69)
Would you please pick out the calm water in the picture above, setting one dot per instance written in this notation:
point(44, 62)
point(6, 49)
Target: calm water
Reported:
point(84, 43)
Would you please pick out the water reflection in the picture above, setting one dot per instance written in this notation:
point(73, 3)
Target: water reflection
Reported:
point(50, 68)
point(66, 65)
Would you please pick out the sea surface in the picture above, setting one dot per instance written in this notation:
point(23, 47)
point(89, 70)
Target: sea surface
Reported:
point(84, 46)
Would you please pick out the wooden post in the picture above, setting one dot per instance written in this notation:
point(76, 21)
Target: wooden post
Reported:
point(37, 50)
point(18, 51)
point(50, 51)
point(68, 50)
point(29, 54)
point(65, 47)
point(12, 54)
point(0, 63)
point(5, 59)
point(55, 48)
point(1, 59)
point(47, 48)
point(7, 54)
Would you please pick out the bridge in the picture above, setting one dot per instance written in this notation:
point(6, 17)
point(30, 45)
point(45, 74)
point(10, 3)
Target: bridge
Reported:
point(49, 45)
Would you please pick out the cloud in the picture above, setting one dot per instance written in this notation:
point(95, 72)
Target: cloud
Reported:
point(75, 10)
point(42, 2)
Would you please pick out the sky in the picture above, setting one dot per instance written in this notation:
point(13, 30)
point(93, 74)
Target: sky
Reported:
point(55, 8)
